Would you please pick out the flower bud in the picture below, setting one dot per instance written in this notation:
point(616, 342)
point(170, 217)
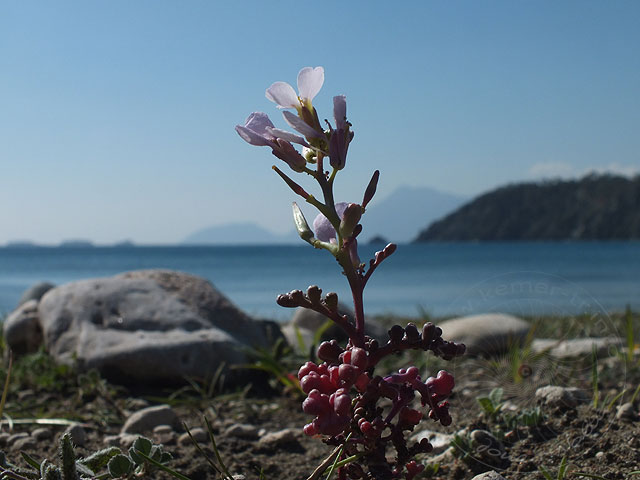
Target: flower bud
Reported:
point(350, 219)
point(301, 225)
point(331, 301)
point(313, 292)
point(411, 333)
point(371, 189)
point(395, 333)
point(329, 351)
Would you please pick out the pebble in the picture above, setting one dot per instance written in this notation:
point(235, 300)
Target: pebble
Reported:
point(127, 439)
point(490, 475)
point(15, 437)
point(564, 397)
point(160, 429)
point(147, 419)
point(242, 430)
point(488, 447)
point(626, 411)
point(599, 455)
point(42, 434)
point(111, 440)
point(274, 439)
point(198, 434)
point(78, 435)
point(439, 441)
point(24, 443)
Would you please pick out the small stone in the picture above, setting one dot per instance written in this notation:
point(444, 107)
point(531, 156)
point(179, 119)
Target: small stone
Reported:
point(242, 430)
point(488, 447)
point(198, 434)
point(163, 429)
point(147, 419)
point(111, 440)
point(281, 437)
point(15, 437)
point(626, 411)
point(599, 455)
point(127, 439)
point(490, 475)
point(78, 435)
point(42, 434)
point(135, 404)
point(561, 397)
point(439, 441)
point(165, 438)
point(24, 443)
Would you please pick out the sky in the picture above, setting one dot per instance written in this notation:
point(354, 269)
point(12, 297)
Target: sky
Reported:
point(117, 117)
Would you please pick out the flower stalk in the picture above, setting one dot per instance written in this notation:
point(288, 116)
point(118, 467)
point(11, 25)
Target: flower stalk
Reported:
point(343, 393)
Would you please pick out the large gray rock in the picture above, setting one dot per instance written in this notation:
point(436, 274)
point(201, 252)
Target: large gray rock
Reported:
point(148, 325)
point(486, 334)
point(22, 330)
point(578, 347)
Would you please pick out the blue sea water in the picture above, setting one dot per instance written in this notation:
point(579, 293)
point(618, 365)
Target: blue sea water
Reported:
point(440, 279)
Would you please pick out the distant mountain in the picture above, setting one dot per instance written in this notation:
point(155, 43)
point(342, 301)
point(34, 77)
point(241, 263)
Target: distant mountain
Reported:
point(238, 234)
point(397, 217)
point(594, 208)
point(400, 216)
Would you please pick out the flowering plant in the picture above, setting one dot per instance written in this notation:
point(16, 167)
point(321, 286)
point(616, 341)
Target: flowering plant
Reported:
point(343, 393)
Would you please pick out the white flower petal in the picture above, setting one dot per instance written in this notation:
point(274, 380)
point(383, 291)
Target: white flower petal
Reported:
point(283, 94)
point(310, 82)
point(251, 137)
point(299, 125)
point(340, 110)
point(288, 136)
point(259, 122)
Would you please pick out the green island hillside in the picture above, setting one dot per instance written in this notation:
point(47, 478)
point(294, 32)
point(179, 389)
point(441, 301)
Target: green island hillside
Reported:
point(596, 207)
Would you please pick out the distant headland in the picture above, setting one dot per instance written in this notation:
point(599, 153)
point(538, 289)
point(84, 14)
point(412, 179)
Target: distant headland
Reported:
point(596, 207)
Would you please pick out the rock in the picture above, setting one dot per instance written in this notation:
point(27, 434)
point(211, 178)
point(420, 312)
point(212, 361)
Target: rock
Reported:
point(22, 328)
point(279, 438)
point(16, 436)
point(149, 326)
point(198, 434)
point(242, 430)
point(626, 411)
point(78, 435)
point(439, 441)
point(111, 440)
point(42, 434)
point(35, 292)
point(561, 397)
point(25, 443)
point(490, 475)
point(306, 323)
point(164, 434)
point(488, 448)
point(126, 439)
point(147, 419)
point(578, 347)
point(485, 334)
point(163, 429)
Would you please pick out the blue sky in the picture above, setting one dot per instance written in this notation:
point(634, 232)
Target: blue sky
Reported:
point(116, 118)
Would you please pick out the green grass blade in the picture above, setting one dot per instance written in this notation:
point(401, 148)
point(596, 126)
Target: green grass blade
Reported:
point(563, 468)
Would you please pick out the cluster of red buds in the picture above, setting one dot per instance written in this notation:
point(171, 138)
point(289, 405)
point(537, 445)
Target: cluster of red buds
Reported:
point(343, 393)
point(343, 396)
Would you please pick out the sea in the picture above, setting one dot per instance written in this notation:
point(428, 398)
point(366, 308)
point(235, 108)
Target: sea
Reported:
point(436, 279)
